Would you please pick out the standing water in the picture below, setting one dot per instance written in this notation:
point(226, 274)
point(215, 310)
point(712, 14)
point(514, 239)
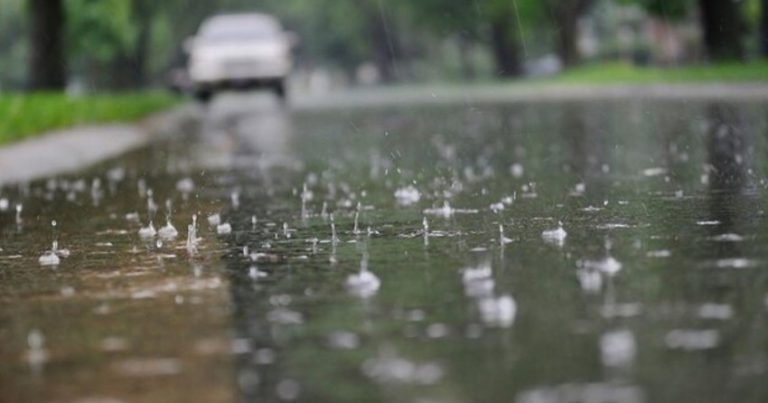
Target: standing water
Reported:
point(456, 293)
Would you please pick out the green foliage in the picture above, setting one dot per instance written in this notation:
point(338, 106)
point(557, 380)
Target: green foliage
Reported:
point(613, 73)
point(99, 29)
point(25, 115)
point(668, 9)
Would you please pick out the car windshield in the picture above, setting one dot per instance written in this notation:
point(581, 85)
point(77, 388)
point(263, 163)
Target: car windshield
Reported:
point(233, 28)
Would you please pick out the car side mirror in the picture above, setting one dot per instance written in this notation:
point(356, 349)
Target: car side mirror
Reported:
point(189, 44)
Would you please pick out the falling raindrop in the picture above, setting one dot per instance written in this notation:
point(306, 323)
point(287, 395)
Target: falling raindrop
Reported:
point(192, 235)
point(19, 207)
point(334, 238)
point(168, 232)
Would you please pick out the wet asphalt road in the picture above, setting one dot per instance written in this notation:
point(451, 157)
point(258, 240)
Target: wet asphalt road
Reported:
point(402, 253)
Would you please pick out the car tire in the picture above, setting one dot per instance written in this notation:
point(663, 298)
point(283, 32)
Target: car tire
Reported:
point(204, 96)
point(278, 87)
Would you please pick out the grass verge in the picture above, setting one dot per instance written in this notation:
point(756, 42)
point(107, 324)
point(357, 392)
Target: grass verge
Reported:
point(25, 115)
point(622, 73)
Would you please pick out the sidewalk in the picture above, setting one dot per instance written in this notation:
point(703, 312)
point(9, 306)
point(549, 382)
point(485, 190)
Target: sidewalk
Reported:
point(73, 149)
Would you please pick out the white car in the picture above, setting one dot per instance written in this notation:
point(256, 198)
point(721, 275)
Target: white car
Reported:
point(239, 51)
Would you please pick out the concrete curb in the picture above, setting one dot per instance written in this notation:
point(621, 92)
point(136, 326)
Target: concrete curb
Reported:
point(532, 93)
point(70, 150)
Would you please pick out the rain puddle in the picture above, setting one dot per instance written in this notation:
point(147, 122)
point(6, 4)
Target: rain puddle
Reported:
point(552, 252)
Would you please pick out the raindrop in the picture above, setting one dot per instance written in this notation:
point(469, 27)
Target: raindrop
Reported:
point(618, 348)
point(235, 197)
point(36, 356)
point(223, 229)
point(192, 235)
point(185, 186)
point(503, 239)
point(19, 207)
point(407, 195)
point(168, 232)
point(51, 257)
point(148, 231)
point(363, 284)
point(334, 238)
point(498, 312)
point(214, 220)
point(555, 236)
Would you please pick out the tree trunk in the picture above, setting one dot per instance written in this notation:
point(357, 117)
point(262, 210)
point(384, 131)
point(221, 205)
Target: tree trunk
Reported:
point(47, 64)
point(129, 68)
point(566, 45)
point(385, 43)
point(567, 14)
point(764, 28)
point(722, 25)
point(468, 70)
point(505, 48)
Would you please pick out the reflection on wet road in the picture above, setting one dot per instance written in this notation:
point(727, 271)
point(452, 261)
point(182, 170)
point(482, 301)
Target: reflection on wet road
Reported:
point(546, 252)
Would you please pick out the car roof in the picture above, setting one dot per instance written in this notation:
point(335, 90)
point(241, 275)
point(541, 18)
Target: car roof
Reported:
point(245, 21)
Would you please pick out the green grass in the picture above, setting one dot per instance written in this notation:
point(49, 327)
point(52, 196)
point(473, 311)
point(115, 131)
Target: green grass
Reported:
point(622, 73)
point(25, 115)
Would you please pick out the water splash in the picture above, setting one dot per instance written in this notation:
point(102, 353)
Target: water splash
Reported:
point(52, 257)
point(36, 355)
point(356, 228)
point(306, 195)
point(223, 229)
point(334, 238)
point(168, 232)
point(555, 236)
point(235, 199)
point(363, 284)
point(447, 211)
point(214, 220)
point(151, 205)
point(19, 208)
point(498, 311)
point(503, 240)
point(192, 235)
point(148, 232)
point(407, 196)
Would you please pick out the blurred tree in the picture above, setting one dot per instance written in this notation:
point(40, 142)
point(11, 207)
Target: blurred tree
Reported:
point(505, 36)
point(723, 27)
point(566, 15)
point(13, 44)
point(381, 27)
point(47, 64)
point(669, 10)
point(722, 23)
point(763, 30)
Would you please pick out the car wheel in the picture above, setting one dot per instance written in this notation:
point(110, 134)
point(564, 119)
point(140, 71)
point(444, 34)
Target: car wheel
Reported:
point(278, 87)
point(204, 96)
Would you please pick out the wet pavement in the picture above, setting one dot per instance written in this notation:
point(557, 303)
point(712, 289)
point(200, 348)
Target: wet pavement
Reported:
point(555, 251)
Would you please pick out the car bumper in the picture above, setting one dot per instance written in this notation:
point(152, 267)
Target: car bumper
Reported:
point(238, 72)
